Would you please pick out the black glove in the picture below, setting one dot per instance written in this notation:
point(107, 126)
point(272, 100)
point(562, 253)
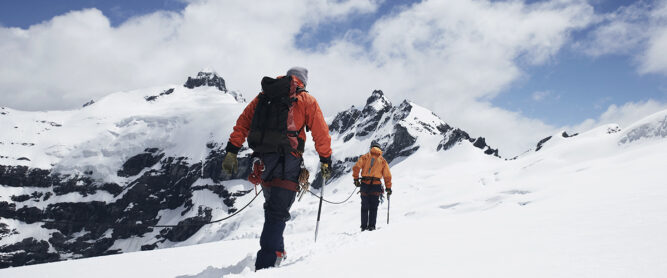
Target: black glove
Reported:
point(357, 182)
point(325, 167)
point(230, 165)
point(388, 191)
point(326, 171)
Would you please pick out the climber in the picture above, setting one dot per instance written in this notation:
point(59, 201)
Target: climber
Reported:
point(373, 167)
point(275, 124)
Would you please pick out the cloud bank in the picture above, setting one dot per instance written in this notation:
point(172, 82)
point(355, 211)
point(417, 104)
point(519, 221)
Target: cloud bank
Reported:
point(450, 56)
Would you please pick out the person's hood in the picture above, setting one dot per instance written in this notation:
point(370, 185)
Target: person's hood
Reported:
point(376, 152)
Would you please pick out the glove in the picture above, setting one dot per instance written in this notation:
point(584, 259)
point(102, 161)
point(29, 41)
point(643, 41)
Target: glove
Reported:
point(326, 171)
point(357, 183)
point(230, 165)
point(388, 191)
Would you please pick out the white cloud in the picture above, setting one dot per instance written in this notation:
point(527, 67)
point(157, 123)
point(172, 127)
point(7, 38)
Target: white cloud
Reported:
point(623, 115)
point(639, 30)
point(620, 32)
point(450, 56)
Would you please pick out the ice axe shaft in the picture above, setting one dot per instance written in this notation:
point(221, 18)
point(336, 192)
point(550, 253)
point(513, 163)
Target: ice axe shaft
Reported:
point(388, 205)
point(319, 210)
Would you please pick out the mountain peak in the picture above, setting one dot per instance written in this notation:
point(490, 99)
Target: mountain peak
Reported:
point(206, 77)
point(377, 102)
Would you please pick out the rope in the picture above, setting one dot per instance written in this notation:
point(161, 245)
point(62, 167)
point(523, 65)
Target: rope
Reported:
point(215, 221)
point(331, 202)
point(198, 223)
point(161, 226)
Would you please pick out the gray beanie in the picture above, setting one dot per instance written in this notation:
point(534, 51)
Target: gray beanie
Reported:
point(299, 72)
point(376, 144)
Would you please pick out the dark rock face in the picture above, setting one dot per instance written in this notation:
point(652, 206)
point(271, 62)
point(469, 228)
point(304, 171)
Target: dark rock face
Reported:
point(5, 231)
point(565, 135)
point(206, 79)
point(401, 145)
point(452, 138)
point(137, 163)
point(541, 143)
point(189, 226)
point(22, 176)
point(26, 252)
point(89, 103)
point(86, 229)
point(344, 120)
point(153, 98)
point(480, 143)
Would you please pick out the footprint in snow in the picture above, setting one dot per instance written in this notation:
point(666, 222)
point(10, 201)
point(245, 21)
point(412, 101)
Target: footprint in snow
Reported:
point(516, 191)
point(213, 272)
point(449, 206)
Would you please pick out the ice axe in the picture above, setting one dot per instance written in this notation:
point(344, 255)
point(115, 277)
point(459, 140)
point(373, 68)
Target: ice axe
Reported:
point(388, 205)
point(319, 210)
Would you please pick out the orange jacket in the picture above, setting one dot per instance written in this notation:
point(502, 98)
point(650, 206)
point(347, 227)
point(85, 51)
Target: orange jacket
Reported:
point(373, 165)
point(305, 110)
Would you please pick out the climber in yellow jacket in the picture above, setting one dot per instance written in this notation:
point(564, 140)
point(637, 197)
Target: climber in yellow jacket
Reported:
point(373, 167)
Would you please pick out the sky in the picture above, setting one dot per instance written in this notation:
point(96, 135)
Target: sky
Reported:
point(511, 71)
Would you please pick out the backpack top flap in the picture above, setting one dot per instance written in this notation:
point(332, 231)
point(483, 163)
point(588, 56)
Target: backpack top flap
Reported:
point(276, 88)
point(268, 131)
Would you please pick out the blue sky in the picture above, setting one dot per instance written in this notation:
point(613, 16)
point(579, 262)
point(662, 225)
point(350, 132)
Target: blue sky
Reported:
point(23, 13)
point(579, 79)
point(578, 86)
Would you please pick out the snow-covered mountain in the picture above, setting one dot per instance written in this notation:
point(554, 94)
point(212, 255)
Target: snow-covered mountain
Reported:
point(106, 174)
point(590, 205)
point(401, 130)
point(110, 170)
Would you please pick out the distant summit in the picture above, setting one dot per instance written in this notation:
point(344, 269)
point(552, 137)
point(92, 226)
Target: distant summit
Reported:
point(206, 78)
point(210, 78)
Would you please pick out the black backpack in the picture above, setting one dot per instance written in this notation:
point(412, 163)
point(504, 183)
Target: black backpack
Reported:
point(268, 131)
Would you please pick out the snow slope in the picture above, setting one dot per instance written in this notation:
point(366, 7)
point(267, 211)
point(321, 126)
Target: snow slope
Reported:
point(109, 172)
point(73, 166)
point(591, 205)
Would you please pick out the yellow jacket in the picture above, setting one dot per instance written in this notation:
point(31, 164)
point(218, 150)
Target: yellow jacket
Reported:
point(373, 165)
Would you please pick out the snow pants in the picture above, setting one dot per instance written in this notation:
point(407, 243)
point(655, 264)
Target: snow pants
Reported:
point(277, 203)
point(370, 199)
point(369, 211)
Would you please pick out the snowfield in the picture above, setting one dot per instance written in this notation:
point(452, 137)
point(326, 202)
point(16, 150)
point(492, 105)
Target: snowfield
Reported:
point(586, 205)
point(592, 205)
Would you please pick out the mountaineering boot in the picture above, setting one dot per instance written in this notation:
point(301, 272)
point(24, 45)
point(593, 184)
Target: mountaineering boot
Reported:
point(280, 257)
point(371, 228)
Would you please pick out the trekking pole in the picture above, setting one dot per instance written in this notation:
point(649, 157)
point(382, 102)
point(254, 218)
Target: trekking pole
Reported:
point(319, 210)
point(388, 205)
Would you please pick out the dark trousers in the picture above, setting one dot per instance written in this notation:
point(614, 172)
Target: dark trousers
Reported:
point(369, 210)
point(277, 203)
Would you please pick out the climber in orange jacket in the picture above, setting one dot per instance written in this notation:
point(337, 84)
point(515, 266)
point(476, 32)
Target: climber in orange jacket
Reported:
point(373, 167)
point(275, 124)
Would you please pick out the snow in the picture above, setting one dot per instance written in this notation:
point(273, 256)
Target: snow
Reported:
point(101, 136)
point(654, 126)
point(582, 206)
point(591, 205)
